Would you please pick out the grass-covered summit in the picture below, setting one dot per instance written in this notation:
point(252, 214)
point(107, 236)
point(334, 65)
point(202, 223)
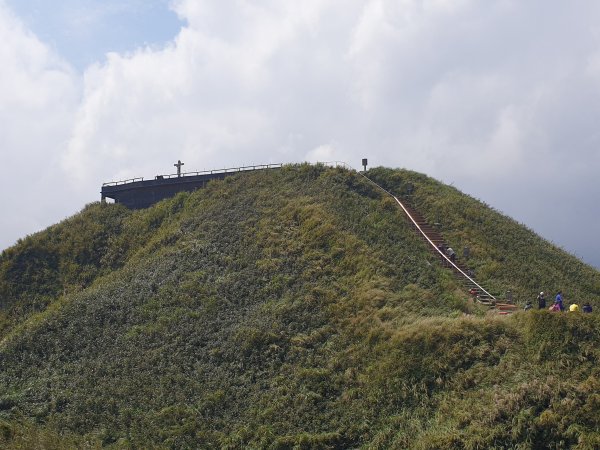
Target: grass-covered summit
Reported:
point(292, 308)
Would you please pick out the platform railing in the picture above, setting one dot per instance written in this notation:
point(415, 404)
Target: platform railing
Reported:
point(225, 170)
point(118, 183)
point(195, 174)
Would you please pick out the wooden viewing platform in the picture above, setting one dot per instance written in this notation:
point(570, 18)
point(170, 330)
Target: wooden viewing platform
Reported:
point(137, 193)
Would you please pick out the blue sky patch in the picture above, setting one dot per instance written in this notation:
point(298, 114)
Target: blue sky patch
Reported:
point(83, 31)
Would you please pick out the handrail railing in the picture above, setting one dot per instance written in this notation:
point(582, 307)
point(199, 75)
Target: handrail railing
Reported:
point(427, 238)
point(227, 170)
point(117, 183)
point(204, 172)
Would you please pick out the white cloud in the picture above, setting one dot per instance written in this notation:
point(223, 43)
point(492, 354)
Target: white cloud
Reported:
point(324, 153)
point(212, 97)
point(38, 95)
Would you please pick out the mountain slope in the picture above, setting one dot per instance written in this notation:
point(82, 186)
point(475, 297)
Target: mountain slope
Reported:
point(280, 309)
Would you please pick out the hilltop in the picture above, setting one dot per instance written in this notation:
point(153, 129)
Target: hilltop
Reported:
point(292, 309)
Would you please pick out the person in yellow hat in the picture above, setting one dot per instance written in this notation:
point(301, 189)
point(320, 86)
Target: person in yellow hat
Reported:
point(574, 307)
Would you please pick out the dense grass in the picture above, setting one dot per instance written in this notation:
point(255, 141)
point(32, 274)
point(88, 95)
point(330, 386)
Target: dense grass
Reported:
point(285, 309)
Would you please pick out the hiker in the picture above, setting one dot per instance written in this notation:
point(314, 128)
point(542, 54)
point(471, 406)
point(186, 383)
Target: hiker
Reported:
point(554, 308)
point(574, 307)
point(559, 301)
point(528, 305)
point(587, 308)
point(541, 301)
point(451, 254)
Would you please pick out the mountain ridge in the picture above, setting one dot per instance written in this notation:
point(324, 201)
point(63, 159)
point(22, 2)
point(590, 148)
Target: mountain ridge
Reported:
point(291, 309)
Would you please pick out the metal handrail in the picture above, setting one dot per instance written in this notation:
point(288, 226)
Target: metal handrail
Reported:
point(427, 237)
point(227, 170)
point(117, 183)
point(204, 172)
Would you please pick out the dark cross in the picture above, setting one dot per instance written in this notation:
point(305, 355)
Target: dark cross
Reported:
point(178, 165)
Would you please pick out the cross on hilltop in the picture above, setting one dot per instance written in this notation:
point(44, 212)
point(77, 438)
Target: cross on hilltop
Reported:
point(178, 165)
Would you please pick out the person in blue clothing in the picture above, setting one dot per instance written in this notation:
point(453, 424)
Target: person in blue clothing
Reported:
point(559, 301)
point(587, 308)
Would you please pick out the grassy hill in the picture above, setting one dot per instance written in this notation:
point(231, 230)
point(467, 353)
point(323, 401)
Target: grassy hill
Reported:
point(292, 309)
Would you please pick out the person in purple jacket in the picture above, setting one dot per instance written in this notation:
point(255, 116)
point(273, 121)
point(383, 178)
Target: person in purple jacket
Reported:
point(559, 301)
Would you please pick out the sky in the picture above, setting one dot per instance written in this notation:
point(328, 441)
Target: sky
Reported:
point(499, 98)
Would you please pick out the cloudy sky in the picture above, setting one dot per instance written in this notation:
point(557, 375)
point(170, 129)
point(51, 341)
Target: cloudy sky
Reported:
point(501, 98)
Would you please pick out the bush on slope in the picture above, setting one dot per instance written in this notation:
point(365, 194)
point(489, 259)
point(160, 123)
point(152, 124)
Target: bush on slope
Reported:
point(65, 258)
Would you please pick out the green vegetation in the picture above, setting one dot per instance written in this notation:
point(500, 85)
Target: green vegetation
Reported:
point(291, 309)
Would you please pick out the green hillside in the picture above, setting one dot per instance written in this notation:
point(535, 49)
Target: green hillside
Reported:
point(292, 308)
